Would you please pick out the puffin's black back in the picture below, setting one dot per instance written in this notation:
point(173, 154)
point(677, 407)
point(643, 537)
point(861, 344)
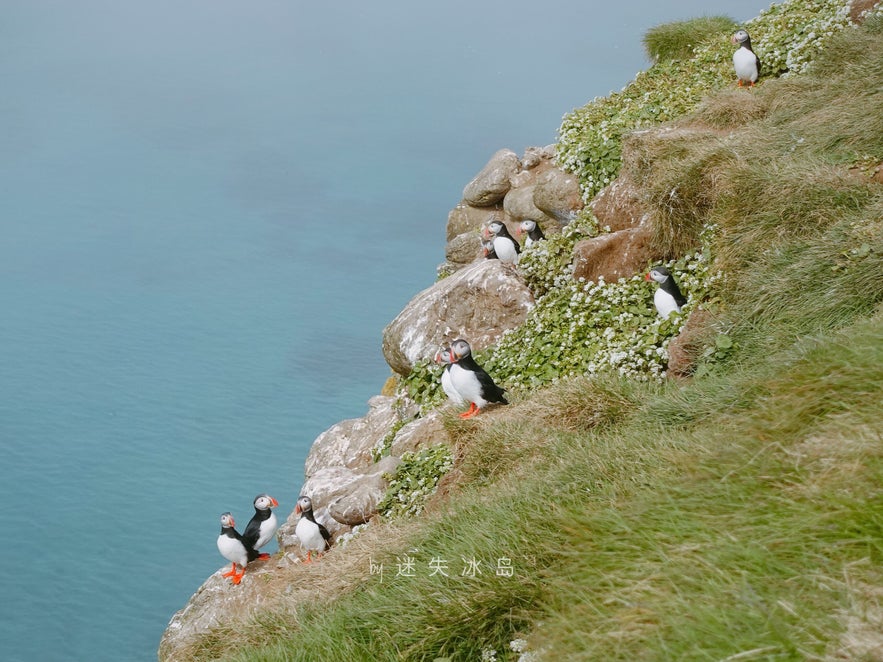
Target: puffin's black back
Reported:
point(253, 530)
point(672, 288)
point(536, 234)
point(489, 390)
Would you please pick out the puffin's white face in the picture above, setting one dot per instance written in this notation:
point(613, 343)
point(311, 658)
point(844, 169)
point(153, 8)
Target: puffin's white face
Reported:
point(740, 37)
point(527, 226)
point(227, 520)
point(444, 356)
point(303, 504)
point(495, 227)
point(659, 274)
point(460, 349)
point(265, 501)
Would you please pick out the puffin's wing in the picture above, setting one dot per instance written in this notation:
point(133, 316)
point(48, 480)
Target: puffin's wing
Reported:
point(757, 61)
point(252, 532)
point(489, 389)
point(325, 535)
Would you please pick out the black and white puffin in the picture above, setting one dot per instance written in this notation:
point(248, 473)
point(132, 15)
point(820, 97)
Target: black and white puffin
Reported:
point(745, 61)
point(263, 524)
point(532, 230)
point(445, 358)
point(313, 536)
point(470, 380)
point(505, 246)
point(668, 298)
point(234, 549)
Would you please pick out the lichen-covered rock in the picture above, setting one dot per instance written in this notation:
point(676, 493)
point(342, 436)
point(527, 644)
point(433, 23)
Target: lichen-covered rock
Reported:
point(490, 185)
point(350, 443)
point(478, 303)
point(424, 432)
point(556, 195)
point(613, 256)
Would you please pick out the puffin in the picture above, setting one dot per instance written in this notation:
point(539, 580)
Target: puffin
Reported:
point(445, 358)
point(532, 230)
point(313, 536)
point(262, 525)
point(746, 63)
point(668, 297)
point(505, 246)
point(487, 249)
point(470, 380)
point(234, 548)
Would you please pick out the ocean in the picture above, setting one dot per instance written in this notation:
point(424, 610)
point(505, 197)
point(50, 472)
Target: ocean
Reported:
point(210, 210)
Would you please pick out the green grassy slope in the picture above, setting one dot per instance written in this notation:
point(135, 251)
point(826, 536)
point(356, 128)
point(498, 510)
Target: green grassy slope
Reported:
point(736, 516)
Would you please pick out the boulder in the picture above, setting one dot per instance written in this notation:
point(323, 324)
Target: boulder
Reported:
point(490, 185)
point(424, 432)
point(685, 348)
point(350, 443)
point(556, 194)
point(465, 218)
point(618, 205)
point(463, 249)
point(613, 256)
point(478, 303)
point(519, 205)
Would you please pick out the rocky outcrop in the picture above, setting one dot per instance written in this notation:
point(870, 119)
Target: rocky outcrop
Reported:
point(511, 190)
point(478, 303)
point(492, 183)
point(350, 443)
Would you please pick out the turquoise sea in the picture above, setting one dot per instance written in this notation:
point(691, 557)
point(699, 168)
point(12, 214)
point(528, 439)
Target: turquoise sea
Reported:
point(209, 210)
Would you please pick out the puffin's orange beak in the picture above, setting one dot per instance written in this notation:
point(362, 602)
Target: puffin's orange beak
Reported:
point(274, 502)
point(648, 276)
point(518, 231)
point(297, 510)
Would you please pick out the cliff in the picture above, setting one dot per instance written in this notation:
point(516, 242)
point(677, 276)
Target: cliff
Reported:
point(711, 481)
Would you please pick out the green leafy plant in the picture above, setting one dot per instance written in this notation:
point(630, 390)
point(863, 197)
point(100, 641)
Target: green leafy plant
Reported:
point(414, 481)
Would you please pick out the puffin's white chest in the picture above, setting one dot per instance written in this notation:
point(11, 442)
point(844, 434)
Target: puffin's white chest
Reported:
point(309, 535)
point(745, 64)
point(448, 386)
point(505, 250)
point(232, 550)
point(665, 303)
point(268, 528)
point(467, 385)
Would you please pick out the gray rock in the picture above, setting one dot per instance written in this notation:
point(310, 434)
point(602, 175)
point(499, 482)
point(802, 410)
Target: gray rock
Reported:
point(556, 194)
point(424, 432)
point(490, 185)
point(349, 443)
point(465, 218)
point(478, 303)
point(519, 205)
point(463, 249)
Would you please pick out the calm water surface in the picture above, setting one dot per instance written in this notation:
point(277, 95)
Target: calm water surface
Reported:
point(209, 211)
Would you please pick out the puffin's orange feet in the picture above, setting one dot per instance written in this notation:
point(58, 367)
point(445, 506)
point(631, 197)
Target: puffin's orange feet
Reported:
point(263, 556)
point(238, 578)
point(231, 572)
point(473, 411)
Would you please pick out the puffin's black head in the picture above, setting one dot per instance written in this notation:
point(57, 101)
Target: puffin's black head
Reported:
point(741, 37)
point(460, 349)
point(264, 502)
point(227, 521)
point(304, 505)
point(660, 274)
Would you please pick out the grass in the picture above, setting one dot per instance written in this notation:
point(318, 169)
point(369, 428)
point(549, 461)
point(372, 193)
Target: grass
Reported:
point(676, 40)
point(736, 516)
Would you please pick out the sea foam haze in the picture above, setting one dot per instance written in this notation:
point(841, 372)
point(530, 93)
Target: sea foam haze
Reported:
point(210, 210)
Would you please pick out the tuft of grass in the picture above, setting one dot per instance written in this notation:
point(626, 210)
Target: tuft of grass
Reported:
point(677, 40)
